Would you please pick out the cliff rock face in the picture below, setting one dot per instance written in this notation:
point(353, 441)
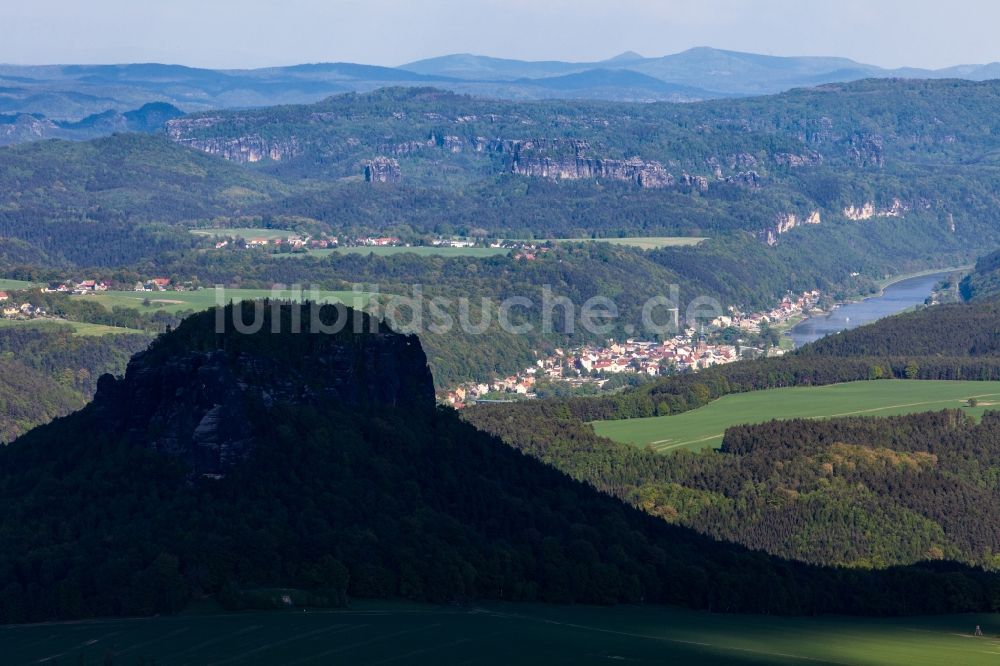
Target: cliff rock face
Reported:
point(868, 210)
point(200, 395)
point(382, 170)
point(806, 159)
point(567, 160)
point(785, 222)
point(868, 150)
point(244, 149)
point(750, 179)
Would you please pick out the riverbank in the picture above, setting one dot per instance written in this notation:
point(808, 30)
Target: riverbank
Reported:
point(896, 294)
point(888, 282)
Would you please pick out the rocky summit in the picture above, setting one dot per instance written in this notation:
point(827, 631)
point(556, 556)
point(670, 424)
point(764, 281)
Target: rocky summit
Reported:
point(198, 393)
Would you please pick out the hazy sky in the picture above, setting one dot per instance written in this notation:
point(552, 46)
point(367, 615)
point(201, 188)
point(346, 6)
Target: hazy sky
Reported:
point(254, 33)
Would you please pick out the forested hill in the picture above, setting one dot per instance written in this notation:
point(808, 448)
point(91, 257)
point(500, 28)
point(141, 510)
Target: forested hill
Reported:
point(337, 480)
point(952, 330)
point(114, 201)
point(984, 282)
point(891, 159)
point(868, 124)
point(29, 398)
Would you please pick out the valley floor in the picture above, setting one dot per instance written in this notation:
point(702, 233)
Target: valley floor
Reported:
point(371, 633)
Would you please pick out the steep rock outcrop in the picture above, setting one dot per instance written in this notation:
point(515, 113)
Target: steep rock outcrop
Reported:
point(197, 394)
point(868, 210)
point(868, 150)
point(798, 160)
point(382, 170)
point(243, 149)
point(567, 160)
point(25, 127)
point(246, 149)
point(785, 222)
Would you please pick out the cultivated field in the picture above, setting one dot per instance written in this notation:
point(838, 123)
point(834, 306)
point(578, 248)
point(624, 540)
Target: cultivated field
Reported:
point(704, 427)
point(245, 233)
point(642, 242)
point(505, 634)
point(203, 299)
point(388, 251)
point(13, 285)
point(79, 327)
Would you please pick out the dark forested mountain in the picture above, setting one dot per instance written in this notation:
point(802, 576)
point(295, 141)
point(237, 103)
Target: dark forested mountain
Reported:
point(230, 464)
point(113, 201)
point(983, 282)
point(28, 397)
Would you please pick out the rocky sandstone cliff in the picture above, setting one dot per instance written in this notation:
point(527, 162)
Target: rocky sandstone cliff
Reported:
point(785, 222)
point(868, 210)
point(569, 160)
point(200, 396)
point(243, 149)
point(382, 170)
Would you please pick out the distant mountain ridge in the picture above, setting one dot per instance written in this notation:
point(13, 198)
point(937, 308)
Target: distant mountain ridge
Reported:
point(23, 127)
point(73, 92)
point(724, 72)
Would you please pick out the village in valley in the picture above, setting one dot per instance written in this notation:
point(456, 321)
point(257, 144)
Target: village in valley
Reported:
point(17, 305)
point(302, 242)
point(593, 366)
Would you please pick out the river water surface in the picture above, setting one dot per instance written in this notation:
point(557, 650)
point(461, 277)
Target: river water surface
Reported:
point(896, 298)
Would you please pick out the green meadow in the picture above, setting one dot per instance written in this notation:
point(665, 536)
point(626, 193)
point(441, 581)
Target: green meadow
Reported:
point(704, 427)
point(641, 242)
point(14, 285)
point(79, 327)
point(245, 232)
point(389, 251)
point(370, 633)
point(203, 299)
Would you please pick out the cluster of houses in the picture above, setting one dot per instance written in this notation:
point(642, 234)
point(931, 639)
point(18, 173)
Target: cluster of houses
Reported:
point(592, 364)
point(293, 241)
point(84, 287)
point(595, 364)
point(157, 284)
point(13, 310)
point(523, 249)
point(791, 306)
point(81, 287)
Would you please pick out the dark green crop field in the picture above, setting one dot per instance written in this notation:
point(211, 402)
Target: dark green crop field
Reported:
point(504, 634)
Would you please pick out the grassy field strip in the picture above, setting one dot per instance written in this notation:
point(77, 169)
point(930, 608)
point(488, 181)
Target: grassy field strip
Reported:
point(720, 435)
point(245, 233)
point(911, 404)
point(397, 633)
point(203, 299)
point(79, 327)
point(389, 251)
point(706, 426)
point(641, 242)
point(14, 285)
